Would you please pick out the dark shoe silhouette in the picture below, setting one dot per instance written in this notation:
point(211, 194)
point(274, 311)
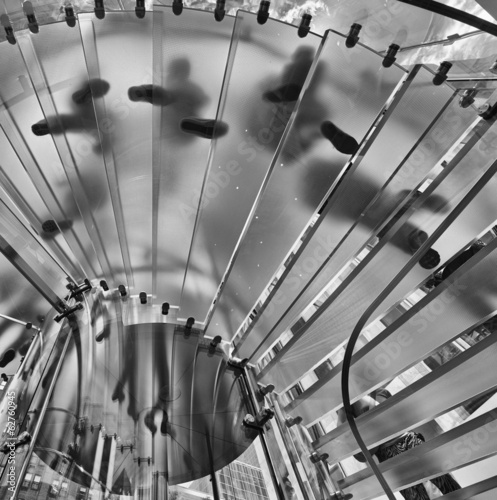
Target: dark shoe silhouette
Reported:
point(51, 228)
point(149, 422)
point(415, 239)
point(40, 128)
point(142, 93)
point(285, 93)
point(165, 426)
point(94, 88)
point(208, 129)
point(150, 93)
point(7, 357)
point(103, 334)
point(430, 259)
point(118, 394)
point(342, 141)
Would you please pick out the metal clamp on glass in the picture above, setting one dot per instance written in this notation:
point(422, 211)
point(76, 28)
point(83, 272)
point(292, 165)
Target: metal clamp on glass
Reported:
point(177, 7)
point(488, 111)
point(99, 9)
point(441, 74)
point(353, 36)
point(9, 31)
point(78, 290)
point(30, 15)
point(263, 13)
point(390, 58)
point(219, 11)
point(305, 25)
point(214, 343)
point(68, 312)
point(140, 9)
point(70, 17)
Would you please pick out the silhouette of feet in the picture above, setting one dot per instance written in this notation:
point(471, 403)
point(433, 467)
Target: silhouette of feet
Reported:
point(285, 93)
point(40, 128)
point(93, 89)
point(150, 93)
point(103, 334)
point(149, 422)
point(51, 228)
point(165, 426)
point(118, 394)
point(208, 129)
point(342, 141)
point(430, 259)
point(7, 357)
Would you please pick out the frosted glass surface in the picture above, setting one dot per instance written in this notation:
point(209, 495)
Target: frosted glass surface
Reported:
point(47, 274)
point(192, 51)
point(58, 69)
point(462, 378)
point(348, 90)
point(421, 128)
point(125, 129)
point(261, 58)
point(335, 320)
point(40, 156)
point(326, 394)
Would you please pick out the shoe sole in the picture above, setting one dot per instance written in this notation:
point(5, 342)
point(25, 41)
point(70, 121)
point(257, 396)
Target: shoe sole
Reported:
point(8, 356)
point(342, 142)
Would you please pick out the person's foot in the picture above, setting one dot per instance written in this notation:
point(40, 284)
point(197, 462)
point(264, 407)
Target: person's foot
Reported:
point(208, 129)
point(343, 142)
point(94, 88)
point(102, 334)
point(7, 357)
point(40, 128)
point(151, 94)
point(415, 239)
point(165, 426)
point(149, 422)
point(118, 394)
point(285, 93)
point(51, 228)
point(142, 93)
point(430, 259)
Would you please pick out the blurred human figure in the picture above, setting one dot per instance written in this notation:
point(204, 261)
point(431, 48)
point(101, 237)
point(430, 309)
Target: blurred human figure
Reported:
point(184, 100)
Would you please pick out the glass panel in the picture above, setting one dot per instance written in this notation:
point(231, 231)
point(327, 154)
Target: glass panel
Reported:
point(437, 456)
point(439, 391)
point(330, 326)
point(417, 134)
point(58, 71)
point(191, 50)
point(261, 59)
point(21, 195)
point(125, 129)
point(305, 168)
point(473, 303)
point(40, 158)
point(44, 272)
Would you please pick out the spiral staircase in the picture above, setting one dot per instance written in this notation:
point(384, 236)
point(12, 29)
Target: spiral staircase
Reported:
point(183, 286)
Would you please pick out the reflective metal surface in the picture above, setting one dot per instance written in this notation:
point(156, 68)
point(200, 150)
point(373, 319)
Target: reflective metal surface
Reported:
point(155, 390)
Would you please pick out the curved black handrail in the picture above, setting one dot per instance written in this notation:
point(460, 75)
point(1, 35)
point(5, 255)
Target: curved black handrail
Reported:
point(484, 179)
